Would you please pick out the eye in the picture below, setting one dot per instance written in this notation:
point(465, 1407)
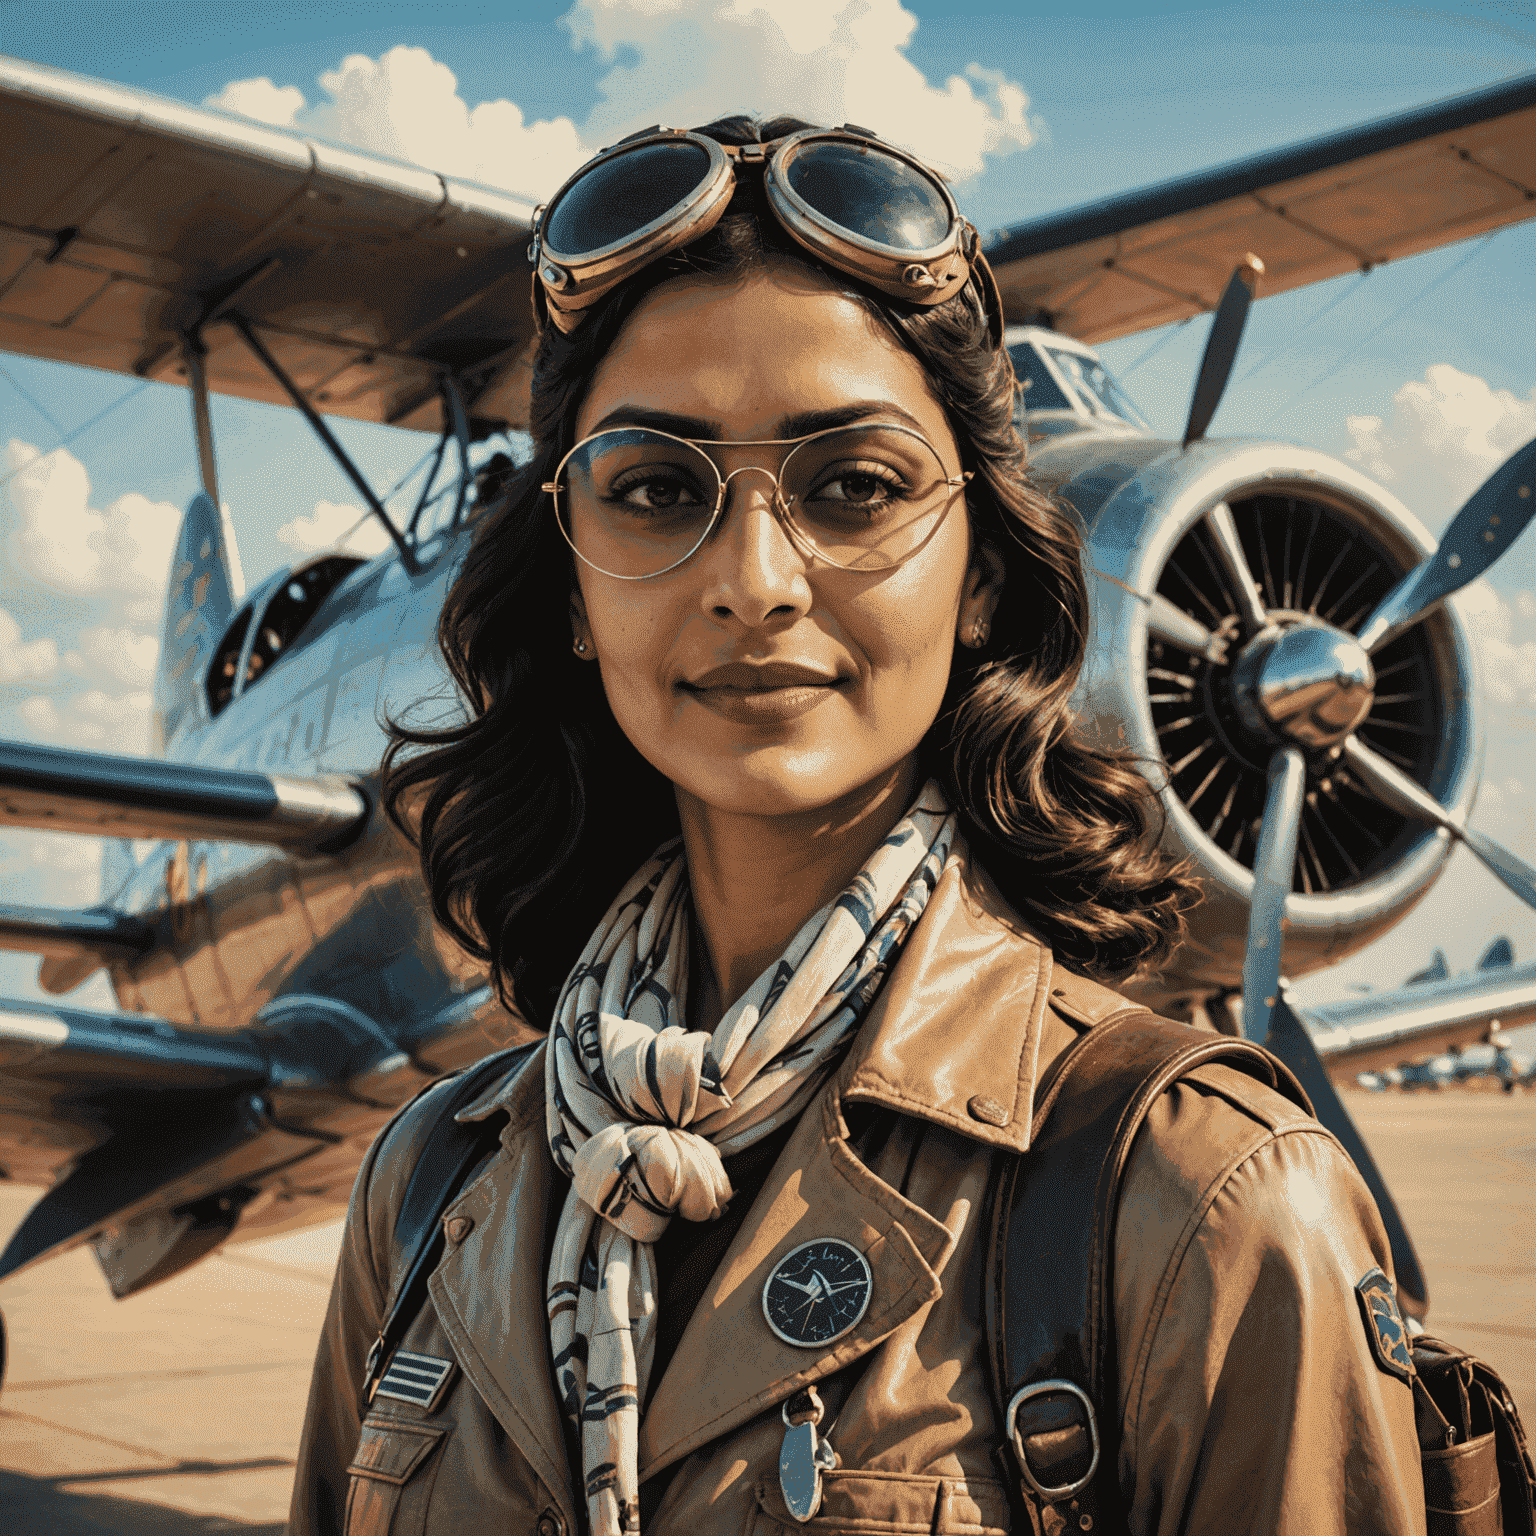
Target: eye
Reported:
point(656, 488)
point(862, 484)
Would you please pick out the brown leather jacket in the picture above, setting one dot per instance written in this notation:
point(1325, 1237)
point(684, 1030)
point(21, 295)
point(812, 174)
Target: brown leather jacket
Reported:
point(1250, 1399)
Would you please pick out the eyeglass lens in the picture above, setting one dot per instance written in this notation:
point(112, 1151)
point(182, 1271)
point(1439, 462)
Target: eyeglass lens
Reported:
point(873, 195)
point(635, 503)
point(619, 197)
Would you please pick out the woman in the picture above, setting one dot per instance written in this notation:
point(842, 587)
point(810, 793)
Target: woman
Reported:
point(770, 813)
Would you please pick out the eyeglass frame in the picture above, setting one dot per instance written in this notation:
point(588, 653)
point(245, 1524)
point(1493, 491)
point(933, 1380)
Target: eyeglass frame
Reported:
point(797, 535)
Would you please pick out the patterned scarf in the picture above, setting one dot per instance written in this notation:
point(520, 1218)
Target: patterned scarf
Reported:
point(640, 1110)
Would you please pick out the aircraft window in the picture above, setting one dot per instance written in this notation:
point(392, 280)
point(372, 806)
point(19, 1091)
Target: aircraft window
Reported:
point(1041, 391)
point(221, 671)
point(1095, 385)
point(290, 608)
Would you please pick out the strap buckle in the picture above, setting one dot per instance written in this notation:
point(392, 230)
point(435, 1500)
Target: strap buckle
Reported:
point(1048, 1493)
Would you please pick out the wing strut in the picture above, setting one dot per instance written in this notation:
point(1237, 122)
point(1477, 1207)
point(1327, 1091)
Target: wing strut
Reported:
point(326, 436)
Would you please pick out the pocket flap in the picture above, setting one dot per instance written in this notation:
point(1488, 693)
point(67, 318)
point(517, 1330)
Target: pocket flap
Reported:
point(897, 1502)
point(392, 1450)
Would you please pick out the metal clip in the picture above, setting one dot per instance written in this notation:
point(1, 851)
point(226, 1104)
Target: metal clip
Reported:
point(804, 1456)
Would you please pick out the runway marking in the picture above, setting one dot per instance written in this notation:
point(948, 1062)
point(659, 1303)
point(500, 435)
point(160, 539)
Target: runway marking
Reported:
point(166, 1375)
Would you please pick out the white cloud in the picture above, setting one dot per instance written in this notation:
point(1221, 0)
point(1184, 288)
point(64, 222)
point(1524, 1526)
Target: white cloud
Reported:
point(95, 719)
point(1506, 648)
point(123, 655)
point(34, 661)
point(687, 61)
point(57, 537)
point(669, 61)
point(51, 869)
point(1446, 434)
point(259, 98)
point(335, 525)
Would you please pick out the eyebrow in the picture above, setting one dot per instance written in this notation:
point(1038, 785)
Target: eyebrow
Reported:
point(801, 424)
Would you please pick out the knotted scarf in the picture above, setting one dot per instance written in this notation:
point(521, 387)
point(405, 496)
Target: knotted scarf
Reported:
point(640, 1110)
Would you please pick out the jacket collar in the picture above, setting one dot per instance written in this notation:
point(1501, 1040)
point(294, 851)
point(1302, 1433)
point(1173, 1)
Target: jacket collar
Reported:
point(970, 991)
point(955, 1035)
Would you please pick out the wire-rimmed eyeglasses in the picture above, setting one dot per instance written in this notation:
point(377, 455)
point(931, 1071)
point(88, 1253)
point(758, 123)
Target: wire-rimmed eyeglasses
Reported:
point(634, 503)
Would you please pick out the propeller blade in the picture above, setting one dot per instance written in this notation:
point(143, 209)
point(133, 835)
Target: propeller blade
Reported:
point(1174, 627)
point(1397, 791)
point(1290, 1041)
point(1221, 347)
point(1494, 517)
point(1272, 867)
point(1229, 549)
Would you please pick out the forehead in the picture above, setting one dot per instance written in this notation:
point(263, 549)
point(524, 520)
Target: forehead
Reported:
point(746, 356)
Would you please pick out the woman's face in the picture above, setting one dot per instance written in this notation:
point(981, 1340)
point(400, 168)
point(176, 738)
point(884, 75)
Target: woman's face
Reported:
point(760, 680)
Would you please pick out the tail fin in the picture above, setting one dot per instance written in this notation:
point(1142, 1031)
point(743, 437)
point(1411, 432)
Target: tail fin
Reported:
point(205, 585)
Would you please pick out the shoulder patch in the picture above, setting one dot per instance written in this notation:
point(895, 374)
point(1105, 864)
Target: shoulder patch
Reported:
point(1384, 1324)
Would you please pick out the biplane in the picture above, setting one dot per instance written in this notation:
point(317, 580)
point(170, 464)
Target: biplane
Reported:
point(1275, 631)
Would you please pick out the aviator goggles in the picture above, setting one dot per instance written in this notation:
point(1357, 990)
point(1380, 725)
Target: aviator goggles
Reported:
point(635, 503)
point(864, 207)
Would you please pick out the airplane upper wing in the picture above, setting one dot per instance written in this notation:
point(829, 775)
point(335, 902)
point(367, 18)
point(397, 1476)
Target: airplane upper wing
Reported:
point(1310, 211)
point(129, 219)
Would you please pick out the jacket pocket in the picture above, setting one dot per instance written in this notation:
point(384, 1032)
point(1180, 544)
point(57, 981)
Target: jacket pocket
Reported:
point(389, 1453)
point(890, 1504)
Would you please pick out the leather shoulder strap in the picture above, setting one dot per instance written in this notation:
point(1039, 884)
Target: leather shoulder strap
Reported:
point(1050, 1295)
point(450, 1154)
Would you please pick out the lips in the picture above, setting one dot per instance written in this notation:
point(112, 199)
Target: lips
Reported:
point(755, 677)
point(763, 693)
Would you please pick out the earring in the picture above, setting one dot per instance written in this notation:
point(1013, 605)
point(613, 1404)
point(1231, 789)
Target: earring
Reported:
point(979, 632)
point(580, 647)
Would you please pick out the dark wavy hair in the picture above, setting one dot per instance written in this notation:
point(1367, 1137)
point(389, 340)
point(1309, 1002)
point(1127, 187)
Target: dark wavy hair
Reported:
point(531, 813)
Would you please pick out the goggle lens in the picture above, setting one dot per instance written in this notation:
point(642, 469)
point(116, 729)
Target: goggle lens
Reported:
point(618, 197)
point(873, 195)
point(635, 503)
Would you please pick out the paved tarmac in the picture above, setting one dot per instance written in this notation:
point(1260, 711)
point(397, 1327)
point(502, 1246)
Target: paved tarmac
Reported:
point(177, 1413)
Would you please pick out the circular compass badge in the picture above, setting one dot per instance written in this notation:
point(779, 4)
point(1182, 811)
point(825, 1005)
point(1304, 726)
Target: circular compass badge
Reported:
point(817, 1292)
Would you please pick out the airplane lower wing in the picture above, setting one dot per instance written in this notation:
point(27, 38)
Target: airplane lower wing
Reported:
point(1384, 1029)
point(105, 796)
point(154, 1141)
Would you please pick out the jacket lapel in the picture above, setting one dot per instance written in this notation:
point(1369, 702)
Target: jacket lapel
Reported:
point(729, 1365)
point(954, 1038)
point(489, 1288)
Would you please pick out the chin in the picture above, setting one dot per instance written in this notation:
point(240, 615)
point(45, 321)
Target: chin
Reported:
point(777, 781)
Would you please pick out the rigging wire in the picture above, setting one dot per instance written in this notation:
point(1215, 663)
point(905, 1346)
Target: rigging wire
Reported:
point(31, 399)
point(1305, 326)
point(79, 431)
point(1391, 319)
point(1157, 346)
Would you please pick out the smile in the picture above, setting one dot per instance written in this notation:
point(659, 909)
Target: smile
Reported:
point(763, 694)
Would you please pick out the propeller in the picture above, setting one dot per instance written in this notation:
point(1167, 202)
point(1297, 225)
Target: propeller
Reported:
point(1221, 347)
point(1305, 686)
point(1494, 517)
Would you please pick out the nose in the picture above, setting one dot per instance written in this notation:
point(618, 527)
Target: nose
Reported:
point(755, 573)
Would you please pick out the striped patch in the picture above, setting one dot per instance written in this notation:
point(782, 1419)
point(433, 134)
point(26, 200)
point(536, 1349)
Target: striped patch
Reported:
point(418, 1379)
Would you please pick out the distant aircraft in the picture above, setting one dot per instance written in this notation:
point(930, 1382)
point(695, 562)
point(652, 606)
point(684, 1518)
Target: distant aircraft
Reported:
point(1268, 624)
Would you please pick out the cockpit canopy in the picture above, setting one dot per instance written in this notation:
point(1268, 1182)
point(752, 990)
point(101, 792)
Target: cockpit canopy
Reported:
point(286, 606)
point(1064, 387)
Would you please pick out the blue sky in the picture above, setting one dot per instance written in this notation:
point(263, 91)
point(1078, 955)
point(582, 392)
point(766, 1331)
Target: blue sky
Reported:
point(1423, 371)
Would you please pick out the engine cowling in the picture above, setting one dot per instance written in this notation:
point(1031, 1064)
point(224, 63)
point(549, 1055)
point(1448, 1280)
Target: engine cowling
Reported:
point(1325, 544)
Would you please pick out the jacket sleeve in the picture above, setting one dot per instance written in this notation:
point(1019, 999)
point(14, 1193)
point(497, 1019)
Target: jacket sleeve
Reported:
point(1252, 1400)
